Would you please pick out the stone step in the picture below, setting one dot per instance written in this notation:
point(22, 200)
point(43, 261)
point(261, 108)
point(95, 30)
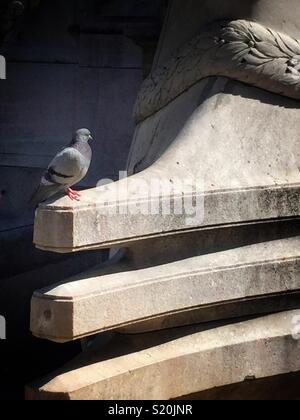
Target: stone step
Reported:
point(119, 296)
point(173, 364)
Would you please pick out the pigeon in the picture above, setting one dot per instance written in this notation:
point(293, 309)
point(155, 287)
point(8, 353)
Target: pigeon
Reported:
point(67, 168)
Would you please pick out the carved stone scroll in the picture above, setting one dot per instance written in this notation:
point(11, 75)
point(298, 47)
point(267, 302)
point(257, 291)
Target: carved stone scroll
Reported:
point(241, 50)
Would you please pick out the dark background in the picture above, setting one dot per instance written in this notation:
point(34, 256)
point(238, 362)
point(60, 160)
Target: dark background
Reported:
point(70, 64)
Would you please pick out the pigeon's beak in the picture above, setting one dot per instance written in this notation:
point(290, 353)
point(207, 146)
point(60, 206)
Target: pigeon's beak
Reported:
point(91, 137)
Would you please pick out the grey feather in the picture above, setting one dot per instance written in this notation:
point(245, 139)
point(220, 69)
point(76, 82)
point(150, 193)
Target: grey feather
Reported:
point(67, 168)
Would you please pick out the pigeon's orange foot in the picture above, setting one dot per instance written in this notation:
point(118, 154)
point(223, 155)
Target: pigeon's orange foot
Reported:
point(73, 195)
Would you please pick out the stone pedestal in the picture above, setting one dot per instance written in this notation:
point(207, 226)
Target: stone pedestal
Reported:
point(217, 126)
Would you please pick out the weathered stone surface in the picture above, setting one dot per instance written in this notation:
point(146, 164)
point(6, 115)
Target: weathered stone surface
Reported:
point(185, 19)
point(203, 360)
point(108, 299)
point(161, 251)
point(246, 172)
point(209, 132)
point(262, 305)
point(241, 50)
point(277, 388)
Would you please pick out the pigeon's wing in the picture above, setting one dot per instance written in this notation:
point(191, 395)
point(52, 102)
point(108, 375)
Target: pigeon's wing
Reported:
point(65, 170)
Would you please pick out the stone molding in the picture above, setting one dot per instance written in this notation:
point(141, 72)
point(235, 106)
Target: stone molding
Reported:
point(101, 300)
point(195, 361)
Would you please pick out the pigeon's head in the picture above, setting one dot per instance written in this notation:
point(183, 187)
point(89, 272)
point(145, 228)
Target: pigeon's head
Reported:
point(83, 135)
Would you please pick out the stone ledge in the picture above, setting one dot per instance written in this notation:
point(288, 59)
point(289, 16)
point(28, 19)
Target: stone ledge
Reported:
point(103, 300)
point(63, 227)
point(195, 362)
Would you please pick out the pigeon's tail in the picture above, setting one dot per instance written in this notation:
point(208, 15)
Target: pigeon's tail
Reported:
point(44, 192)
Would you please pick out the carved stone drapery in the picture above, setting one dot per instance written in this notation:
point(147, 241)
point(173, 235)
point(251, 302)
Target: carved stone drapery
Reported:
point(241, 50)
